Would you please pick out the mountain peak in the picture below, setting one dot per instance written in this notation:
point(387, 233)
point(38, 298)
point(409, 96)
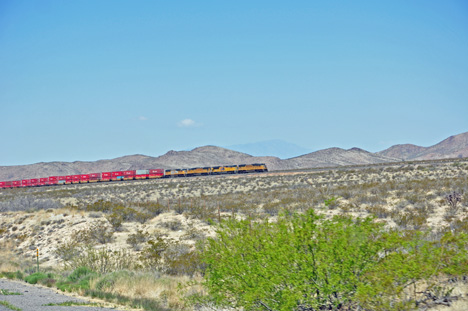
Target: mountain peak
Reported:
point(451, 147)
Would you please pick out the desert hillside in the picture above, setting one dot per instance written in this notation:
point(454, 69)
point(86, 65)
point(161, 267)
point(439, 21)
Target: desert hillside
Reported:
point(453, 147)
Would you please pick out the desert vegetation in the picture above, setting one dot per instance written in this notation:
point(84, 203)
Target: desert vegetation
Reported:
point(378, 237)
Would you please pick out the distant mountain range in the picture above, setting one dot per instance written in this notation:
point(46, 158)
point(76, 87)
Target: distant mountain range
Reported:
point(276, 148)
point(452, 147)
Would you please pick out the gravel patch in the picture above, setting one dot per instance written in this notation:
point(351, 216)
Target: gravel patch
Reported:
point(34, 298)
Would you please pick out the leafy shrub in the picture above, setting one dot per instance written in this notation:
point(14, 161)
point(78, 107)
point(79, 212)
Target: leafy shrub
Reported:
point(97, 233)
point(137, 238)
point(78, 273)
point(35, 277)
point(174, 225)
point(304, 262)
point(103, 260)
point(115, 220)
point(180, 259)
point(68, 250)
point(12, 275)
point(152, 256)
point(77, 280)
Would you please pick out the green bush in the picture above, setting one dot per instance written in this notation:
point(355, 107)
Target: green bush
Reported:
point(304, 262)
point(35, 277)
point(12, 275)
point(78, 273)
point(152, 256)
point(78, 279)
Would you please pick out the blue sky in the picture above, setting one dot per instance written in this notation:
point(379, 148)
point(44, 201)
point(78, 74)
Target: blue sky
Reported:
point(88, 80)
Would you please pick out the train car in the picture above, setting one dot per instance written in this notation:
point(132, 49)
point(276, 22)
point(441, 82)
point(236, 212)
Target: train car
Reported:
point(5, 184)
point(142, 174)
point(34, 182)
point(179, 172)
point(25, 183)
point(16, 183)
point(197, 171)
point(84, 178)
point(68, 179)
point(53, 180)
point(106, 176)
point(225, 169)
point(248, 168)
point(44, 181)
point(129, 175)
point(156, 173)
point(94, 177)
point(76, 179)
point(62, 180)
point(117, 175)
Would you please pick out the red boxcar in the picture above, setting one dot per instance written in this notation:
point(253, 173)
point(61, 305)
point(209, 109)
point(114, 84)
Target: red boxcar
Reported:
point(76, 179)
point(62, 180)
point(106, 176)
point(84, 178)
point(34, 182)
point(129, 175)
point(43, 181)
point(25, 183)
point(6, 184)
point(3, 184)
point(53, 180)
point(16, 183)
point(156, 173)
point(94, 177)
point(118, 175)
point(68, 179)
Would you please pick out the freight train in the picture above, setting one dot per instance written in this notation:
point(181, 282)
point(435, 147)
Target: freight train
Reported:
point(134, 175)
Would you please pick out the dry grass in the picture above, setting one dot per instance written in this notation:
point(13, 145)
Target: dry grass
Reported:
point(147, 285)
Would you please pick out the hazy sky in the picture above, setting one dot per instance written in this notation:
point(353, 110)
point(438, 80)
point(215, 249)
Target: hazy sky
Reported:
point(89, 80)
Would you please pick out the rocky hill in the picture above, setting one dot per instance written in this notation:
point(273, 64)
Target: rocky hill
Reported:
point(452, 147)
point(404, 151)
point(337, 157)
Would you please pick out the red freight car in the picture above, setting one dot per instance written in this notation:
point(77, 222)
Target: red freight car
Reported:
point(44, 181)
point(84, 179)
point(53, 180)
point(94, 177)
point(106, 176)
point(62, 180)
point(34, 182)
point(16, 183)
point(68, 179)
point(156, 173)
point(76, 179)
point(128, 175)
point(3, 184)
point(118, 175)
point(25, 183)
